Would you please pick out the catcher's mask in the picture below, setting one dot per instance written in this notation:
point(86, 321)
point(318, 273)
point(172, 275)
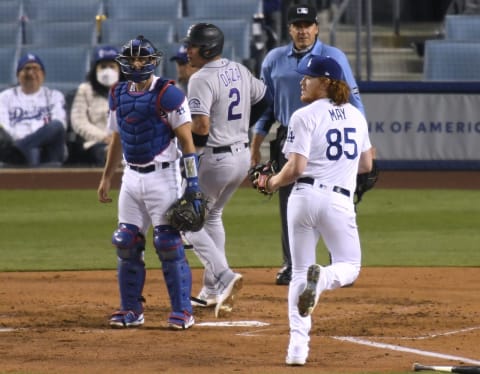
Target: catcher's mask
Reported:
point(208, 37)
point(139, 47)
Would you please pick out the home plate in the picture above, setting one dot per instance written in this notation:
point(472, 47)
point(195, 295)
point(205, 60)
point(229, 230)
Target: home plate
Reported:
point(233, 324)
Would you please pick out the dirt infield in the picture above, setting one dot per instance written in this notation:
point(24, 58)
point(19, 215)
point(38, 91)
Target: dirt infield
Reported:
point(57, 323)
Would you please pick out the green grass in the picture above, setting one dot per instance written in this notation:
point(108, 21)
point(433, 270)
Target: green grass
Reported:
point(71, 230)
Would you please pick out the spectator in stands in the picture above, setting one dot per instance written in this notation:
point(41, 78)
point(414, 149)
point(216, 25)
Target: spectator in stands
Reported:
point(90, 104)
point(33, 118)
point(184, 69)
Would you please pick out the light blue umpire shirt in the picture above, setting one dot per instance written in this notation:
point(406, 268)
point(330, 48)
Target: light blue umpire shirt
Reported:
point(283, 82)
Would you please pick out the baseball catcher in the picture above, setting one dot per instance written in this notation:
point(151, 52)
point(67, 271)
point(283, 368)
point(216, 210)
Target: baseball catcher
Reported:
point(365, 182)
point(259, 176)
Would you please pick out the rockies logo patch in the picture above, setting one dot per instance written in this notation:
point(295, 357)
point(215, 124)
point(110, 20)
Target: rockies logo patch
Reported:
point(194, 103)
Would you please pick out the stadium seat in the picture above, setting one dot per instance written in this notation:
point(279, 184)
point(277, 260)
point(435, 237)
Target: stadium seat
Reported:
point(451, 61)
point(462, 27)
point(10, 10)
point(222, 9)
point(10, 34)
point(116, 32)
point(236, 31)
point(45, 33)
point(144, 10)
point(62, 10)
point(66, 67)
point(8, 62)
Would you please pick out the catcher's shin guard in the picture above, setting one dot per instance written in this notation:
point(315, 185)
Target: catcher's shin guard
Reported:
point(176, 270)
point(130, 245)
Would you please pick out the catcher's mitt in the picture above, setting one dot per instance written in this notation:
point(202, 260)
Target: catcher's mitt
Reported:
point(365, 182)
point(188, 212)
point(259, 176)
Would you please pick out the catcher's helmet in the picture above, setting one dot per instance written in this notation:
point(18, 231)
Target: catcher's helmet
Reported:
point(139, 47)
point(206, 36)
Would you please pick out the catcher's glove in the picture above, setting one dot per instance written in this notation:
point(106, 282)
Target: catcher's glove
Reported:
point(188, 212)
point(259, 176)
point(365, 182)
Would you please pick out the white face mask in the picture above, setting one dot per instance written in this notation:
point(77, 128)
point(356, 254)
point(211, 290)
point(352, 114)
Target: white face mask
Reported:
point(107, 77)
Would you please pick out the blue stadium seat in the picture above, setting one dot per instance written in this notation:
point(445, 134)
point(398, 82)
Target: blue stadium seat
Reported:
point(8, 62)
point(62, 10)
point(10, 34)
point(236, 31)
point(221, 9)
point(57, 34)
point(462, 27)
point(118, 32)
point(66, 67)
point(446, 60)
point(10, 10)
point(144, 10)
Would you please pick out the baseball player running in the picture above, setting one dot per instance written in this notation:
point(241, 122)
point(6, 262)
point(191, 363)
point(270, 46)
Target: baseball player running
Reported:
point(224, 99)
point(147, 115)
point(326, 146)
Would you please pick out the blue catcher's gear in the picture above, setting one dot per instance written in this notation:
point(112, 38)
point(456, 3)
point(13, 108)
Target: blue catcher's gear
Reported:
point(209, 38)
point(139, 47)
point(176, 270)
point(130, 245)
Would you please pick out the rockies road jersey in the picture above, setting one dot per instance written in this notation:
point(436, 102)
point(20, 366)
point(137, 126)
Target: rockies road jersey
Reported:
point(331, 138)
point(225, 90)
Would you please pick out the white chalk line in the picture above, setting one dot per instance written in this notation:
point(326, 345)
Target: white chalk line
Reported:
point(233, 324)
point(430, 336)
point(399, 348)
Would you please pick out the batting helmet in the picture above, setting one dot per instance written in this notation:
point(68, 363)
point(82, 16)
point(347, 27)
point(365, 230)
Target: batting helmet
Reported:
point(139, 47)
point(206, 36)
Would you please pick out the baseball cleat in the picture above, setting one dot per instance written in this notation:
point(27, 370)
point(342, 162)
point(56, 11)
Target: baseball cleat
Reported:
point(126, 318)
point(306, 300)
point(295, 361)
point(284, 276)
point(205, 299)
point(180, 321)
point(227, 298)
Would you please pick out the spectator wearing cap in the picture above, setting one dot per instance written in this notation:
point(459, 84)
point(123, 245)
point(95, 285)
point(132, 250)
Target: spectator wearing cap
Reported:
point(32, 118)
point(90, 105)
point(279, 73)
point(184, 69)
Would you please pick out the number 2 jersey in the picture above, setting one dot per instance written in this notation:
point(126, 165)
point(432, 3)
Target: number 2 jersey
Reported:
point(332, 138)
point(225, 90)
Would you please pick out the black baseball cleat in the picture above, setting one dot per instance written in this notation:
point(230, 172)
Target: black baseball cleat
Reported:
point(284, 276)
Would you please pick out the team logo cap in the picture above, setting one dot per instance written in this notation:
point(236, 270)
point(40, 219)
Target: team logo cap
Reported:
point(320, 66)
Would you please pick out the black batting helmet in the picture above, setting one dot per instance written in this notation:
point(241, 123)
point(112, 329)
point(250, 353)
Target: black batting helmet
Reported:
point(206, 36)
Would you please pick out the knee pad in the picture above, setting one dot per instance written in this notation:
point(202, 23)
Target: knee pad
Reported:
point(168, 243)
point(129, 241)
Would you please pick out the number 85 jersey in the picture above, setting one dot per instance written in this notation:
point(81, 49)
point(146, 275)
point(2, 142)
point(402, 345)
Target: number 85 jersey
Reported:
point(225, 90)
point(332, 138)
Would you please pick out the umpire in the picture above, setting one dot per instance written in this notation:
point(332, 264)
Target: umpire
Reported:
point(278, 73)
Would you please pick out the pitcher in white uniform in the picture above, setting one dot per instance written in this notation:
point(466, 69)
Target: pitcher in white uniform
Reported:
point(327, 145)
point(224, 99)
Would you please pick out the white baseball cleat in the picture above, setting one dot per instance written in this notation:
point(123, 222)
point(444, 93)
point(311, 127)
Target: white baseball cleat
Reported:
point(307, 301)
point(226, 299)
point(295, 360)
point(209, 300)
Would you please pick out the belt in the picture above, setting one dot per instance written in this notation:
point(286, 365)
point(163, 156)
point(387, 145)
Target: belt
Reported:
point(149, 168)
point(225, 149)
point(336, 189)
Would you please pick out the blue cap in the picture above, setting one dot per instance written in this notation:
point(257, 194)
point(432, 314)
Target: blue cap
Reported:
point(181, 55)
point(105, 53)
point(319, 66)
point(28, 58)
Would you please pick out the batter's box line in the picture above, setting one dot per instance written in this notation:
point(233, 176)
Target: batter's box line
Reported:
point(399, 348)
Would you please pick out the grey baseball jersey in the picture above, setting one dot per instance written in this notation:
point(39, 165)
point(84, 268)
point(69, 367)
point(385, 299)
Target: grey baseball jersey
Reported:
point(225, 90)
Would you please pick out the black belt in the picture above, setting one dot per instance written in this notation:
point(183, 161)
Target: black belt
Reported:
point(225, 149)
point(149, 168)
point(336, 189)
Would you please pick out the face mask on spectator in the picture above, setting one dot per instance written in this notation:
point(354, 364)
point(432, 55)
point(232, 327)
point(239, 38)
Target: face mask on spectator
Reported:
point(107, 77)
